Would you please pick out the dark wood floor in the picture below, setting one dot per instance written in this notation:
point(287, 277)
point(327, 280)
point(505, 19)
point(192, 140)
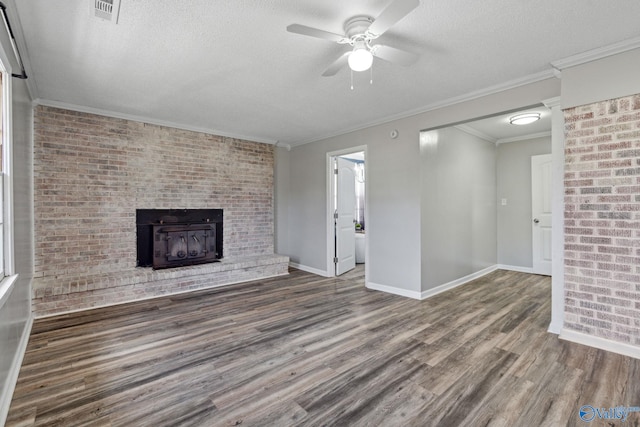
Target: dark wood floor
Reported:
point(306, 350)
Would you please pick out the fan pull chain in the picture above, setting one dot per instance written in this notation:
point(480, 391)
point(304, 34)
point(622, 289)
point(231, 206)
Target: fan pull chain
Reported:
point(370, 78)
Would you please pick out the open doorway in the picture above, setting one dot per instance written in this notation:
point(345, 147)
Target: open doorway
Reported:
point(523, 186)
point(519, 223)
point(347, 213)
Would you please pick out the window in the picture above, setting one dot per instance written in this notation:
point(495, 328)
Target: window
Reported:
point(7, 271)
point(8, 276)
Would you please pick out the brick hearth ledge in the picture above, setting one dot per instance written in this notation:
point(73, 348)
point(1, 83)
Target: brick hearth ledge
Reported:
point(68, 293)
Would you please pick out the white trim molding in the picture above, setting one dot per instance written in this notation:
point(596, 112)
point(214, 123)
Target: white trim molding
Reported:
point(601, 343)
point(7, 170)
point(393, 290)
point(433, 291)
point(524, 137)
point(6, 287)
point(458, 282)
point(309, 269)
point(152, 121)
point(595, 54)
point(555, 326)
point(511, 84)
point(515, 268)
point(475, 132)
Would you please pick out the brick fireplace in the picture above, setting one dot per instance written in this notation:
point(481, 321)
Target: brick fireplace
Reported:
point(91, 174)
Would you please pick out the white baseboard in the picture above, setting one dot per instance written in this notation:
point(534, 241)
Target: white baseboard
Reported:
point(14, 371)
point(601, 343)
point(515, 268)
point(555, 327)
point(431, 292)
point(309, 269)
point(458, 282)
point(393, 290)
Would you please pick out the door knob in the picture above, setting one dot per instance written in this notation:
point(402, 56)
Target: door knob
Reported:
point(536, 220)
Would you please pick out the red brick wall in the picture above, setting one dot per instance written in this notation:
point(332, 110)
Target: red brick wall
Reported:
point(91, 173)
point(602, 219)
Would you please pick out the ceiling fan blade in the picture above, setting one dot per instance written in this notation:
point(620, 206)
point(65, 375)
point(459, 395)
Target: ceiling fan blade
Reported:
point(314, 32)
point(394, 55)
point(392, 14)
point(337, 65)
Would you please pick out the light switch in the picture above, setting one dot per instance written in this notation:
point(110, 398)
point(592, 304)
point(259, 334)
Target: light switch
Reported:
point(504, 202)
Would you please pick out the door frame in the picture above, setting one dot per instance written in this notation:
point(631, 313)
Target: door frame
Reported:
point(329, 233)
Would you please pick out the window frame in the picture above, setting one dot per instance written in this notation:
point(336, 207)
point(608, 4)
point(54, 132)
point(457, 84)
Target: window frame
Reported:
point(9, 279)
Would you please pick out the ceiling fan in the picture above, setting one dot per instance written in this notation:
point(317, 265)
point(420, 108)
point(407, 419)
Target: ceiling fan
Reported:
point(359, 32)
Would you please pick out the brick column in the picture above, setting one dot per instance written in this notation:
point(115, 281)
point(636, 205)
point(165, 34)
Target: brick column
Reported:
point(602, 219)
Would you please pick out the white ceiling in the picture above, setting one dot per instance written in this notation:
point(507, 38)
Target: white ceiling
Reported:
point(230, 67)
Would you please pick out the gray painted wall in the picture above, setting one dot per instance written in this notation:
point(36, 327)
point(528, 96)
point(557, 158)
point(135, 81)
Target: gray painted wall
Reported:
point(608, 78)
point(15, 312)
point(458, 205)
point(514, 184)
point(393, 185)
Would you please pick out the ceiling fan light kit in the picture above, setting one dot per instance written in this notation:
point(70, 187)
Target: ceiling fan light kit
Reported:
point(360, 32)
point(361, 58)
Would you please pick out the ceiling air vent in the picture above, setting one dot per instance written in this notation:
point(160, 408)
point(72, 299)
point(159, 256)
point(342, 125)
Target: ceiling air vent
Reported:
point(107, 10)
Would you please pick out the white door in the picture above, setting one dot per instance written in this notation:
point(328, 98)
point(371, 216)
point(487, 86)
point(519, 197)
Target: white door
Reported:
point(541, 213)
point(344, 217)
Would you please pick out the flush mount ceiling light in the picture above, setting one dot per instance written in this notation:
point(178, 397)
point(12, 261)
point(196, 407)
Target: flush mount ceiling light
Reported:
point(524, 119)
point(361, 58)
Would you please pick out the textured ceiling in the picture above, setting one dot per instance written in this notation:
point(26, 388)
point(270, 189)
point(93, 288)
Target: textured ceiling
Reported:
point(231, 67)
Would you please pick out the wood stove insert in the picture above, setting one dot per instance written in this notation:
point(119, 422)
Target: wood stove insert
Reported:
point(178, 237)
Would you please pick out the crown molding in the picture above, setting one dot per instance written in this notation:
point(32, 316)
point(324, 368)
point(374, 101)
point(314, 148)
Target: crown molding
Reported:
point(552, 102)
point(595, 54)
point(511, 84)
point(554, 72)
point(149, 120)
point(523, 137)
point(471, 131)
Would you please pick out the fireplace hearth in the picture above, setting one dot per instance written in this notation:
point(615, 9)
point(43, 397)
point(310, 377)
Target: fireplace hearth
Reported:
point(178, 237)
